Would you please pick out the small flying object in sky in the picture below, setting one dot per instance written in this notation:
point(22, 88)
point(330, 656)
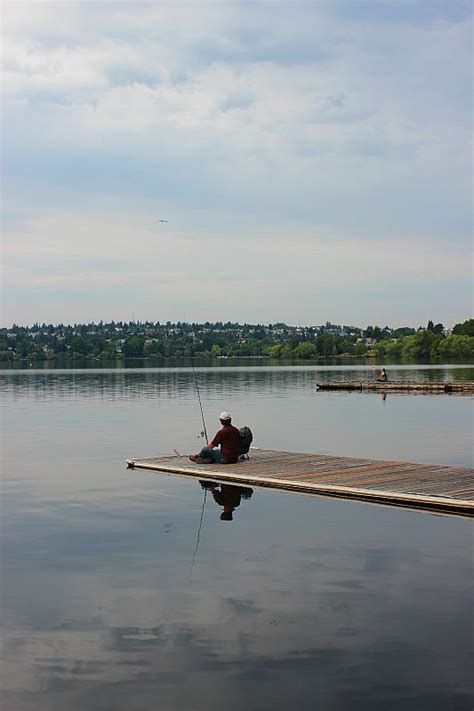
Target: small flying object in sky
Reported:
point(162, 220)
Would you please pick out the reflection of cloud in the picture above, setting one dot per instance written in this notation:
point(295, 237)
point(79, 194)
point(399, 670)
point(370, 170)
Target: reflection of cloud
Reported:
point(388, 560)
point(132, 638)
point(362, 667)
point(242, 606)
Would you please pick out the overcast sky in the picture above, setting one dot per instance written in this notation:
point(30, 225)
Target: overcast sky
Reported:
point(313, 161)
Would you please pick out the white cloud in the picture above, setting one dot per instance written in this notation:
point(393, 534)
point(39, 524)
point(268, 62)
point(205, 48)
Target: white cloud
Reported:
point(99, 251)
point(353, 132)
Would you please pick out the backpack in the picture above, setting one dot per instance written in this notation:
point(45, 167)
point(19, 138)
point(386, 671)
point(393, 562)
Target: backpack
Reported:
point(246, 438)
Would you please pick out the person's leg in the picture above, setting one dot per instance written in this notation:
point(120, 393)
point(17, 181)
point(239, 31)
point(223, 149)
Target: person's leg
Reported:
point(207, 456)
point(213, 454)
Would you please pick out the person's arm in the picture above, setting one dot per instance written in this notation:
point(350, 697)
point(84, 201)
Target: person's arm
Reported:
point(216, 441)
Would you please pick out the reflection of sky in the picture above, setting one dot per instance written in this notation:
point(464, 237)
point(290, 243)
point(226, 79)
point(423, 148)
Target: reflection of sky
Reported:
point(353, 601)
point(297, 598)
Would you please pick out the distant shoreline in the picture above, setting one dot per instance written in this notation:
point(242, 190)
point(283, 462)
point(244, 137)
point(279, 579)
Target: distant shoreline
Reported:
point(143, 363)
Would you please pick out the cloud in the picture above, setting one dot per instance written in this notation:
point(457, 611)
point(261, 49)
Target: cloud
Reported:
point(309, 119)
point(102, 258)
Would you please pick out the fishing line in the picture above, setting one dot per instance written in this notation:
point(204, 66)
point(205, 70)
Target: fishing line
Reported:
point(205, 490)
point(198, 535)
point(200, 405)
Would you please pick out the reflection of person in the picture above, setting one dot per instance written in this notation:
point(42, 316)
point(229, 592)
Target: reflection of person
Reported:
point(228, 438)
point(228, 496)
point(383, 376)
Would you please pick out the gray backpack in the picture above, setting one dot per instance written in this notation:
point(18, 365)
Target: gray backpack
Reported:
point(246, 438)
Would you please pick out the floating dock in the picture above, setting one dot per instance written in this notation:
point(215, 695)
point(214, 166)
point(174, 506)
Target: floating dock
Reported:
point(437, 488)
point(400, 386)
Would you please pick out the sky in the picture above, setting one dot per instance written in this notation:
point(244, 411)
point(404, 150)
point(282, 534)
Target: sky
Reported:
point(312, 160)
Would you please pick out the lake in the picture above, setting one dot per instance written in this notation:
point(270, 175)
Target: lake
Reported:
point(125, 589)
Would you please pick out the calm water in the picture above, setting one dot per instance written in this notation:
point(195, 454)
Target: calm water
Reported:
point(124, 590)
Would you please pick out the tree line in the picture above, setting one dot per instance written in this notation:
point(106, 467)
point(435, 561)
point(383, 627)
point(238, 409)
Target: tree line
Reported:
point(156, 341)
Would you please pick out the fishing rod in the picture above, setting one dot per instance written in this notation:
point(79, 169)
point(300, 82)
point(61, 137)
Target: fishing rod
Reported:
point(200, 405)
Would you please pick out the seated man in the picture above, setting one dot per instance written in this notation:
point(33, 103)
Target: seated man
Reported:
point(228, 438)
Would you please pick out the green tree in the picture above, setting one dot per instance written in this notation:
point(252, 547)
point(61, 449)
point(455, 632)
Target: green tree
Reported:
point(109, 352)
point(394, 348)
point(360, 349)
point(403, 331)
point(457, 348)
point(134, 346)
point(438, 328)
point(421, 346)
point(275, 351)
point(305, 351)
point(464, 329)
point(326, 345)
point(381, 348)
point(81, 345)
point(37, 355)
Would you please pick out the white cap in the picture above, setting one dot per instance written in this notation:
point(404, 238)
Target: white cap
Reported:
point(225, 416)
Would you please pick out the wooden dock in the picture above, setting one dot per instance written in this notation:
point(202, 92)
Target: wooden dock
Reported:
point(437, 488)
point(400, 386)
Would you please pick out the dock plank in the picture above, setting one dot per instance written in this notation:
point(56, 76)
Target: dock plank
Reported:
point(434, 487)
point(395, 386)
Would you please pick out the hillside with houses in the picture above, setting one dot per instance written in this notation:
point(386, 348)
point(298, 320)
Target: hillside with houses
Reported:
point(156, 341)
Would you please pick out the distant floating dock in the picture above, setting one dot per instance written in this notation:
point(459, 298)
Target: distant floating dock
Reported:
point(400, 386)
point(437, 488)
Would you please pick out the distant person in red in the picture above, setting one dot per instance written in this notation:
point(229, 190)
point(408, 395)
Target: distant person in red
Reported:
point(227, 438)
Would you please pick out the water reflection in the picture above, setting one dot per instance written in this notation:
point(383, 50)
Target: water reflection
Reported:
point(355, 606)
point(169, 382)
point(304, 603)
point(151, 412)
point(227, 496)
point(302, 599)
